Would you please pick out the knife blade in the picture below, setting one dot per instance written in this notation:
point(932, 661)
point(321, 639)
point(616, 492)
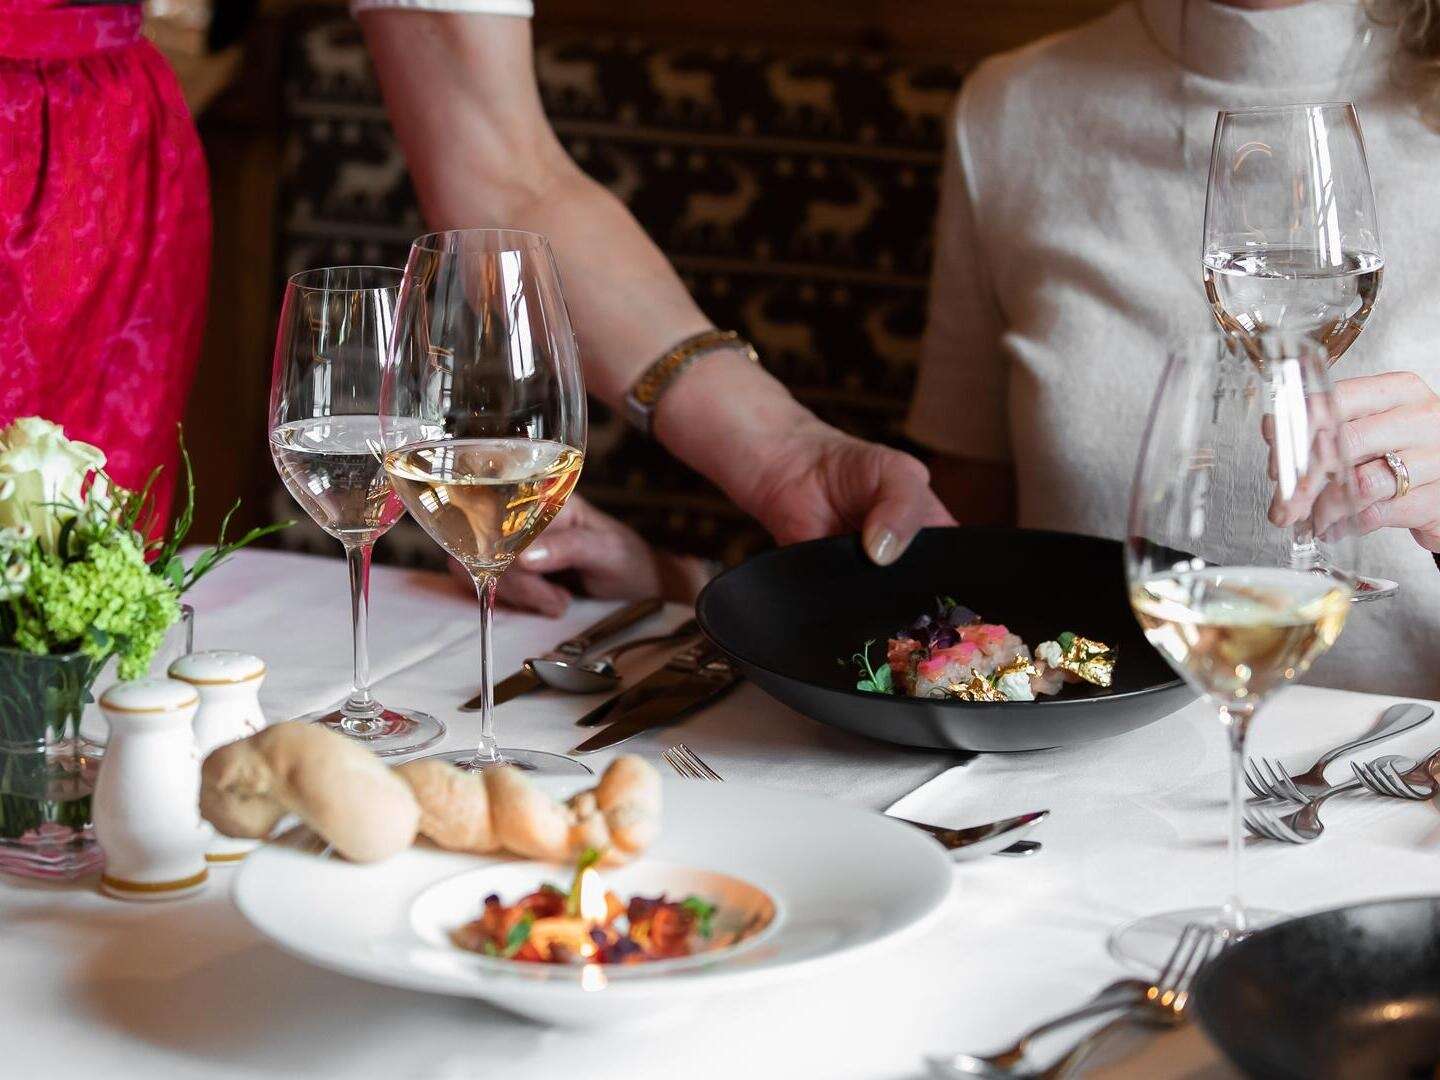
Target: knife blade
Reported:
point(692, 679)
point(525, 680)
point(980, 840)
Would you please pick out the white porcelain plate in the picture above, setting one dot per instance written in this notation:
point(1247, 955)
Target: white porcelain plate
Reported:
point(816, 882)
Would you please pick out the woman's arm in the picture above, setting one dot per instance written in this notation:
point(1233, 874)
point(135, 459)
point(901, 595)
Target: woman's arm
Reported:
point(462, 96)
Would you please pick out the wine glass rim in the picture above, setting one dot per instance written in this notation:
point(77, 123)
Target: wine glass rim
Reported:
point(1292, 106)
point(510, 239)
point(318, 273)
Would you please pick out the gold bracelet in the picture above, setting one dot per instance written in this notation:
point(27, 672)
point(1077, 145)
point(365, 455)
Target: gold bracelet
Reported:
point(646, 392)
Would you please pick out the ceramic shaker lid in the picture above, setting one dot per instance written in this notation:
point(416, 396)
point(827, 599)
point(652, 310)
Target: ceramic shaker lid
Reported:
point(149, 696)
point(217, 666)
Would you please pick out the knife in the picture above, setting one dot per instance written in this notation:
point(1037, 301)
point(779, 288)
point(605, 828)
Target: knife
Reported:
point(979, 840)
point(525, 680)
point(690, 680)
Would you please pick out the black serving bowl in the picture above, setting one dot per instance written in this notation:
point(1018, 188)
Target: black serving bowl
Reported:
point(788, 618)
point(1340, 995)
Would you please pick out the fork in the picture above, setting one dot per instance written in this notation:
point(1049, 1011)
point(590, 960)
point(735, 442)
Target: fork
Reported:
point(1266, 777)
point(1398, 777)
point(688, 763)
point(1299, 827)
point(1162, 1002)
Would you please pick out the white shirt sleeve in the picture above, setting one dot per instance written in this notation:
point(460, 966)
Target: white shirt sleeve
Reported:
point(522, 8)
point(961, 405)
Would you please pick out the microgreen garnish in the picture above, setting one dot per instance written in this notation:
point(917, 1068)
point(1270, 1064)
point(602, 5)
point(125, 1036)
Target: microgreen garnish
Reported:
point(877, 680)
point(1065, 640)
point(515, 940)
point(704, 913)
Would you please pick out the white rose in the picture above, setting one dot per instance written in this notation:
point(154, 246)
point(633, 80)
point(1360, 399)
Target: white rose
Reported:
point(41, 475)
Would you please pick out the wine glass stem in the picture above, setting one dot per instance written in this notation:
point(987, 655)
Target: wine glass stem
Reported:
point(1237, 725)
point(360, 709)
point(488, 751)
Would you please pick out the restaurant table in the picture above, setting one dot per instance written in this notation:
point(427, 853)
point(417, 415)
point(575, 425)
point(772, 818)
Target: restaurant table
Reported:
point(99, 987)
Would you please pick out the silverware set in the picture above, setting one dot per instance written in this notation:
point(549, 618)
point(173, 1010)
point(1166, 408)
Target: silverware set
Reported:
point(1161, 1003)
point(1286, 807)
point(993, 838)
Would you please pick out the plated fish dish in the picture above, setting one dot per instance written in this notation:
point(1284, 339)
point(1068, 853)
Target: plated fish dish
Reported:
point(953, 653)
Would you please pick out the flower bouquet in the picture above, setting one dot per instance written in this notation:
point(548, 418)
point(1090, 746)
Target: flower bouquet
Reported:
point(83, 578)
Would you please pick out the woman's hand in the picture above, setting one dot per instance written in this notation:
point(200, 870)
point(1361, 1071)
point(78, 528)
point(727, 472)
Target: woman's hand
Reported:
point(819, 481)
point(799, 477)
point(1395, 411)
point(610, 559)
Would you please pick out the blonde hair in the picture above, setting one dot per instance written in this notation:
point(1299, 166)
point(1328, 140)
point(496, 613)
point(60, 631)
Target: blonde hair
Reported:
point(1417, 27)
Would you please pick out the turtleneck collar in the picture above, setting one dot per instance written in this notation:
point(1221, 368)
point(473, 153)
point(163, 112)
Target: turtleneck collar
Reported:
point(1315, 44)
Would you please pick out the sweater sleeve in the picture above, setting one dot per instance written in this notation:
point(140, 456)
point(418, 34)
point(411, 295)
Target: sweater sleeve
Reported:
point(960, 401)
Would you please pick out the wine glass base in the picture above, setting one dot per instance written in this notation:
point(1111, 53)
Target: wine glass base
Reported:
point(1144, 944)
point(539, 762)
point(1373, 588)
point(394, 731)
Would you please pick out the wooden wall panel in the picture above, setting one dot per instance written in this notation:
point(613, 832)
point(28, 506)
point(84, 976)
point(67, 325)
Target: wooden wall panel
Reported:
point(226, 419)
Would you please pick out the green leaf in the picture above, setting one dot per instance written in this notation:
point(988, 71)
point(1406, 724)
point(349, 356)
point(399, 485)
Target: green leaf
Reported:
point(874, 681)
point(704, 913)
point(1065, 640)
point(515, 940)
point(174, 572)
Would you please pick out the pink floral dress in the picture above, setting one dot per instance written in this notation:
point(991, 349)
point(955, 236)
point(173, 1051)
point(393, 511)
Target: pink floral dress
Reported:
point(104, 232)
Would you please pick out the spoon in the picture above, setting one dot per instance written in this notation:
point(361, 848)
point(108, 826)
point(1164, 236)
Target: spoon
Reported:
point(581, 676)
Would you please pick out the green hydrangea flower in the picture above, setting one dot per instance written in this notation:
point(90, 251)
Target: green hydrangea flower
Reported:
point(106, 601)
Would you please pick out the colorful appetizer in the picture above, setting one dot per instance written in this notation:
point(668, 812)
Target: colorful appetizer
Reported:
point(957, 655)
point(588, 924)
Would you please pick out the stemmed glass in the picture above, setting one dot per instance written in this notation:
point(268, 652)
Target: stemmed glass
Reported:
point(485, 361)
point(1291, 242)
point(327, 443)
point(1243, 443)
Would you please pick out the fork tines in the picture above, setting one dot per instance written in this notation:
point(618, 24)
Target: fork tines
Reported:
point(687, 763)
point(1386, 780)
point(1268, 779)
point(1269, 822)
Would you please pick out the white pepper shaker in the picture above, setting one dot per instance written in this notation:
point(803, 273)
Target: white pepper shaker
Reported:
point(228, 683)
point(147, 796)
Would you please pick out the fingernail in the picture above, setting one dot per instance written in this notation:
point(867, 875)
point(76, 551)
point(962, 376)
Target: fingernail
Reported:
point(532, 555)
point(884, 548)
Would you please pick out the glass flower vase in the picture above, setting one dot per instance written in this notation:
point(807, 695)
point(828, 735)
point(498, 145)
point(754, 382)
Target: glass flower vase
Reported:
point(46, 777)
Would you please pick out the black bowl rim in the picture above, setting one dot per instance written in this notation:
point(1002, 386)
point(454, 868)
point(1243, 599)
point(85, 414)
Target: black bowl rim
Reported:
point(1202, 991)
point(909, 701)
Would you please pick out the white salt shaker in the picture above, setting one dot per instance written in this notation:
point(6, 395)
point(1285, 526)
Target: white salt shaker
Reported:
point(229, 687)
point(147, 796)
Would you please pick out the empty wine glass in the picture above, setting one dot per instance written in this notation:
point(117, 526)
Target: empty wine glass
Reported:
point(484, 361)
point(327, 443)
point(1243, 442)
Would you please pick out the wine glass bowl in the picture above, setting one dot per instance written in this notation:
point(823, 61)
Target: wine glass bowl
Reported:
point(1243, 444)
point(484, 367)
point(1291, 241)
point(328, 447)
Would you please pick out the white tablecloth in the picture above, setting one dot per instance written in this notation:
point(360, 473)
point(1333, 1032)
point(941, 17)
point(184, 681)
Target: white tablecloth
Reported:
point(96, 987)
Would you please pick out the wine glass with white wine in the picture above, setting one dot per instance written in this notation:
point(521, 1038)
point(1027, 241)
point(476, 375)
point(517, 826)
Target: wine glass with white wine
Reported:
point(1291, 239)
point(325, 439)
point(1243, 443)
point(485, 360)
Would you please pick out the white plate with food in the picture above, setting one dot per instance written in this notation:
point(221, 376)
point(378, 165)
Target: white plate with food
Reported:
point(780, 883)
